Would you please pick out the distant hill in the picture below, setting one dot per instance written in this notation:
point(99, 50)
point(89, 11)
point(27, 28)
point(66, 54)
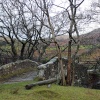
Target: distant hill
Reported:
point(62, 37)
point(92, 37)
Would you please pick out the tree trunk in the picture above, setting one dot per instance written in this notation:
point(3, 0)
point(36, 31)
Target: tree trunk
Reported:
point(14, 51)
point(56, 44)
point(22, 51)
point(49, 81)
point(61, 66)
point(69, 64)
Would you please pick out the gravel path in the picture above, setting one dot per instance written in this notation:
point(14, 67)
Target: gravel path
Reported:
point(24, 77)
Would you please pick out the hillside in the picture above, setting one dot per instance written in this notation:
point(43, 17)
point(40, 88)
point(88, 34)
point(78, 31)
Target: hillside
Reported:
point(92, 37)
point(62, 37)
point(87, 41)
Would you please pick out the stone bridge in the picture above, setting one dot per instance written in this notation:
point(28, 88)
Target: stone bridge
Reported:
point(16, 68)
point(81, 71)
point(48, 70)
point(51, 69)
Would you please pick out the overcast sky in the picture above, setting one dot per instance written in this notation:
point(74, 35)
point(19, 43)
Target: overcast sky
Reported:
point(86, 2)
point(64, 3)
point(84, 6)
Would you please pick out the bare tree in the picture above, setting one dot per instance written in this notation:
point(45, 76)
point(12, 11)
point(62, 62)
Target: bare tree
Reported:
point(7, 27)
point(21, 22)
point(26, 29)
point(44, 7)
point(71, 14)
point(72, 10)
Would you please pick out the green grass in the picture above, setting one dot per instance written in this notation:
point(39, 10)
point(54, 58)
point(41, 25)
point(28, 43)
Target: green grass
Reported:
point(16, 91)
point(88, 46)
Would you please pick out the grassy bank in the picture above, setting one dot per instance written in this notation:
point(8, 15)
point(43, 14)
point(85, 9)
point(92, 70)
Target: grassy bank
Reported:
point(16, 91)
